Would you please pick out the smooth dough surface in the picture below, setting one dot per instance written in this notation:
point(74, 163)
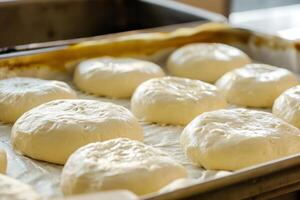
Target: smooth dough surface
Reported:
point(52, 131)
point(205, 61)
point(287, 106)
point(256, 85)
point(173, 100)
point(114, 77)
point(237, 138)
point(3, 161)
point(20, 94)
point(119, 164)
point(11, 189)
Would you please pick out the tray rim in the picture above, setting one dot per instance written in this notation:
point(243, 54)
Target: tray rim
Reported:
point(246, 174)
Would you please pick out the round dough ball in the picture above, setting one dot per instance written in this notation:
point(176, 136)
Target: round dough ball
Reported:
point(238, 138)
point(256, 85)
point(172, 100)
point(3, 161)
point(18, 95)
point(287, 106)
point(205, 61)
point(11, 189)
point(119, 164)
point(54, 130)
point(114, 77)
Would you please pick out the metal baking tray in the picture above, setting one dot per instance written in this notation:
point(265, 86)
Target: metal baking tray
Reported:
point(30, 21)
point(263, 181)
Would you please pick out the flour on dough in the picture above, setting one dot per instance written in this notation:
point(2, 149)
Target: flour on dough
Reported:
point(256, 85)
point(205, 61)
point(287, 106)
point(119, 164)
point(52, 131)
point(114, 77)
point(20, 94)
point(237, 138)
point(174, 100)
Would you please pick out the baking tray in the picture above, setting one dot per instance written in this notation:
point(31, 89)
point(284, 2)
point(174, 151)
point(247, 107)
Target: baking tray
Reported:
point(261, 181)
point(31, 21)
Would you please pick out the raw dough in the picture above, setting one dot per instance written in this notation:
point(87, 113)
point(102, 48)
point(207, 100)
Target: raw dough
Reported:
point(205, 61)
point(287, 106)
point(11, 189)
point(172, 100)
point(3, 161)
point(238, 138)
point(18, 95)
point(52, 131)
point(256, 85)
point(119, 164)
point(114, 77)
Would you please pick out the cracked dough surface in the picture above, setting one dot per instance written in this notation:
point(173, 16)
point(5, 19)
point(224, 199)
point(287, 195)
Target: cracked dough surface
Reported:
point(256, 85)
point(119, 164)
point(18, 95)
point(52, 131)
point(237, 138)
point(173, 100)
point(205, 61)
point(45, 177)
point(114, 77)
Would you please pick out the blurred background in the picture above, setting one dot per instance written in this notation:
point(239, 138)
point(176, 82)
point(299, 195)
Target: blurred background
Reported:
point(32, 21)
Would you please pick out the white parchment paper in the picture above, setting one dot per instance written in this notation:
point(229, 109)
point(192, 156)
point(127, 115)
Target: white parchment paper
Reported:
point(45, 177)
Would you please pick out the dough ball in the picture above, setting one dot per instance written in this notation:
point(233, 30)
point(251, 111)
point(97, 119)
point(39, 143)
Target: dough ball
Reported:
point(119, 164)
point(256, 85)
point(205, 61)
point(114, 77)
point(238, 138)
point(52, 131)
point(172, 100)
point(287, 106)
point(3, 161)
point(18, 95)
point(11, 189)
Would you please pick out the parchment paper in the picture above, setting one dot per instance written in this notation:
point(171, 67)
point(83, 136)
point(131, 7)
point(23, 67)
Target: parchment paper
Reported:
point(45, 177)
